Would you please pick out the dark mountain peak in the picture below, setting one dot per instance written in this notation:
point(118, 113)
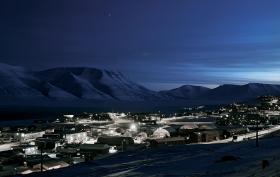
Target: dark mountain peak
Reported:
point(255, 83)
point(191, 87)
point(227, 86)
point(70, 82)
point(260, 84)
point(86, 83)
point(185, 92)
point(242, 92)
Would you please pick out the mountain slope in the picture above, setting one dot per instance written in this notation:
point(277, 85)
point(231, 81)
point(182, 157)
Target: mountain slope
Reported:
point(124, 89)
point(185, 92)
point(16, 82)
point(70, 83)
point(75, 81)
point(241, 92)
point(83, 83)
point(92, 83)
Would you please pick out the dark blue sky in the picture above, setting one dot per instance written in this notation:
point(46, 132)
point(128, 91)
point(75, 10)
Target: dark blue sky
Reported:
point(159, 43)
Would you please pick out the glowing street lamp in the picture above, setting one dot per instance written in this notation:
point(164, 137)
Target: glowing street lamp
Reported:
point(133, 127)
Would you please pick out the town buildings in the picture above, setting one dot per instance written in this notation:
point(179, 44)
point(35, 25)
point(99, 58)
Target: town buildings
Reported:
point(73, 139)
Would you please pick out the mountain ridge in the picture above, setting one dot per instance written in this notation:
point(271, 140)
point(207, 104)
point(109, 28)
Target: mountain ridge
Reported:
point(86, 83)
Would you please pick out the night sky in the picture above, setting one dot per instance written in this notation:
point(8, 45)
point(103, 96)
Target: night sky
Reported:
point(160, 44)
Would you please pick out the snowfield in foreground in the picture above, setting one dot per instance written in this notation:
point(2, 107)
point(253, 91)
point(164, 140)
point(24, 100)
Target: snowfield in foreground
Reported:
point(185, 160)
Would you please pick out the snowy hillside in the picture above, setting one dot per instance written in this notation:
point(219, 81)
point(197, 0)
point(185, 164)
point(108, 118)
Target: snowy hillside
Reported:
point(70, 83)
point(124, 89)
point(92, 83)
point(16, 82)
point(185, 92)
point(83, 84)
point(241, 92)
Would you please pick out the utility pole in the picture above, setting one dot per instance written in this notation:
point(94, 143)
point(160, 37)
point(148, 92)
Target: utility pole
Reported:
point(257, 131)
point(41, 146)
point(41, 158)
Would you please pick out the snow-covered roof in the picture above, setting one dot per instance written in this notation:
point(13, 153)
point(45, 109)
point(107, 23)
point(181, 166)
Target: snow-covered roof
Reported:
point(189, 127)
point(161, 133)
point(207, 127)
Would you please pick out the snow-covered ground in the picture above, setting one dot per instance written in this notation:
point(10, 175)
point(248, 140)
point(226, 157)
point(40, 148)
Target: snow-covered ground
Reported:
point(167, 120)
point(8, 146)
point(185, 160)
point(182, 120)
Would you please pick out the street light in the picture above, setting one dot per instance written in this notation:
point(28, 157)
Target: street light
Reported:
point(133, 127)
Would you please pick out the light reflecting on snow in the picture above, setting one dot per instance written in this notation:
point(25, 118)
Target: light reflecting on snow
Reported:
point(113, 149)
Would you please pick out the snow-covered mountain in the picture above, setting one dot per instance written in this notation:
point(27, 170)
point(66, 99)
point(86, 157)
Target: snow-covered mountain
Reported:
point(70, 83)
point(241, 92)
point(92, 83)
point(83, 83)
point(18, 82)
point(223, 93)
point(185, 92)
